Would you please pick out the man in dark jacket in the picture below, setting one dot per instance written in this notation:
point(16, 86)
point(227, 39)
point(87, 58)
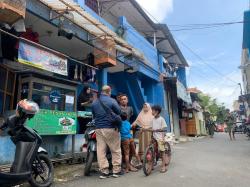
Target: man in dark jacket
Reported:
point(106, 133)
point(210, 125)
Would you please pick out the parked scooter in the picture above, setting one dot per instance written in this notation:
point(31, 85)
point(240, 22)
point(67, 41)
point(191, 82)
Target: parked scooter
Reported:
point(31, 163)
point(91, 146)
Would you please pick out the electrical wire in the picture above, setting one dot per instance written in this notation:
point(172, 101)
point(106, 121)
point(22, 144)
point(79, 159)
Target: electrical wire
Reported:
point(193, 52)
point(210, 24)
point(202, 61)
point(209, 81)
point(200, 26)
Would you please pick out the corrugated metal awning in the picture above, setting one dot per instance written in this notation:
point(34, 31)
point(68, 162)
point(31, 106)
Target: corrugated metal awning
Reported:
point(182, 93)
point(83, 19)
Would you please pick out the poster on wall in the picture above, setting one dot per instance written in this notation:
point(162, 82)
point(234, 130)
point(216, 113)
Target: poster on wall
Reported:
point(55, 96)
point(52, 122)
point(41, 58)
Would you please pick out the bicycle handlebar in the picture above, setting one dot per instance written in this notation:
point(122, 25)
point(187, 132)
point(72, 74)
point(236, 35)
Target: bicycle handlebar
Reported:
point(151, 130)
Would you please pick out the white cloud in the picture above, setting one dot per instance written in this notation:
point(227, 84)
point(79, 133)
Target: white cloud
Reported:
point(158, 9)
point(224, 91)
point(217, 56)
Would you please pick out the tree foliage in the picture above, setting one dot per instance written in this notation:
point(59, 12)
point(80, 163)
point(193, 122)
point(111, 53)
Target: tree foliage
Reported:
point(211, 105)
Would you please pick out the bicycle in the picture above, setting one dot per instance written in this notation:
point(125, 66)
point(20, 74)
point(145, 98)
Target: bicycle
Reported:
point(152, 154)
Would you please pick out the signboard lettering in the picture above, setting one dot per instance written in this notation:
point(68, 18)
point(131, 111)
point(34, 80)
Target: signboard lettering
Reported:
point(42, 59)
point(52, 122)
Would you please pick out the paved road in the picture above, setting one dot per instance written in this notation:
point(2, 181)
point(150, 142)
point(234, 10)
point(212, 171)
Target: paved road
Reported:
point(215, 162)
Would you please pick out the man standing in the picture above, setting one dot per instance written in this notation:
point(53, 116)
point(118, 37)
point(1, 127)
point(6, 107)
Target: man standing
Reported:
point(210, 125)
point(124, 106)
point(106, 133)
point(230, 121)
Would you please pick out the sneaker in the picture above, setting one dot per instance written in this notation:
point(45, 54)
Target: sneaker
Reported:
point(116, 175)
point(104, 176)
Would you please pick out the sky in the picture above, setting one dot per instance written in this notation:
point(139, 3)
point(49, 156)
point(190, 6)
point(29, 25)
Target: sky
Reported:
point(213, 54)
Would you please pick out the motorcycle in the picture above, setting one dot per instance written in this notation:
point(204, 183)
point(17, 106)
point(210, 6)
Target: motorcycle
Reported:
point(247, 131)
point(31, 162)
point(91, 147)
point(240, 127)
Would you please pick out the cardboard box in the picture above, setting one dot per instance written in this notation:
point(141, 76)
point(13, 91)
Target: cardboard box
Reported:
point(12, 10)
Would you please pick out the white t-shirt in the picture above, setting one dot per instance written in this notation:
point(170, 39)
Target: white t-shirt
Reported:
point(159, 123)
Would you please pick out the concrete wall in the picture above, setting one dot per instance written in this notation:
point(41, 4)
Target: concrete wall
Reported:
point(246, 30)
point(181, 75)
point(53, 144)
point(95, 15)
point(140, 43)
point(245, 53)
point(7, 150)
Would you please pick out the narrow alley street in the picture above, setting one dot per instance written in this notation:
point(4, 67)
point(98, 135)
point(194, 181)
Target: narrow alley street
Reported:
point(78, 76)
point(215, 162)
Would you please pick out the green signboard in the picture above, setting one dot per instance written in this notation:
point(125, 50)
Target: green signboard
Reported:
point(52, 122)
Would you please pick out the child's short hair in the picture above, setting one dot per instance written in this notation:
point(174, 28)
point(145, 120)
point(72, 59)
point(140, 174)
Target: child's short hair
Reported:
point(157, 108)
point(124, 116)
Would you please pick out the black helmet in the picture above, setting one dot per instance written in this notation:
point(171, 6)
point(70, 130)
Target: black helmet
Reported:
point(27, 108)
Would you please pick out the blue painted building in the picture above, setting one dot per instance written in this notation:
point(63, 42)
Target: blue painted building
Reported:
point(245, 53)
point(166, 63)
point(148, 61)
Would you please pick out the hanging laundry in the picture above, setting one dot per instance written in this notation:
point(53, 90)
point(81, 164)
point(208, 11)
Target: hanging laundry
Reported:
point(84, 73)
point(81, 78)
point(91, 59)
point(29, 35)
point(89, 74)
point(93, 79)
point(76, 72)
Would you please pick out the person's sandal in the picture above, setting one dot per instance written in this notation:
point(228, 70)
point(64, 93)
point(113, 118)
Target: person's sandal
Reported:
point(138, 166)
point(133, 169)
point(163, 170)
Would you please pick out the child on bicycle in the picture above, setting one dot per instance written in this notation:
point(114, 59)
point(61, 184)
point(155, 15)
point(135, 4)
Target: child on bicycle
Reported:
point(159, 124)
point(127, 143)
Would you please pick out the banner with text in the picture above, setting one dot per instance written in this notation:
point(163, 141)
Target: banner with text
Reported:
point(42, 58)
point(52, 122)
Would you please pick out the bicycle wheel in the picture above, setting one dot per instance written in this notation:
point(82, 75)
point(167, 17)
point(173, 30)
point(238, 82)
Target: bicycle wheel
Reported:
point(148, 160)
point(168, 153)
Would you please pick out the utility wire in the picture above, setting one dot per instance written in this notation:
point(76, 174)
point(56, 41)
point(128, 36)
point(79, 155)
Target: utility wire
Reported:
point(202, 61)
point(192, 51)
point(211, 81)
point(210, 24)
point(198, 28)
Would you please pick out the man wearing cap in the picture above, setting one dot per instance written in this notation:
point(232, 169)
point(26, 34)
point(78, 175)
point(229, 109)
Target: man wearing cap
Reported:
point(106, 133)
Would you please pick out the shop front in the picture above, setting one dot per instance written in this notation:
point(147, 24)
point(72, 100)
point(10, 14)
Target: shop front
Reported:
point(179, 101)
point(43, 75)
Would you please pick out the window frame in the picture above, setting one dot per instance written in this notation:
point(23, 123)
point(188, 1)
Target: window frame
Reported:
point(5, 89)
point(32, 79)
